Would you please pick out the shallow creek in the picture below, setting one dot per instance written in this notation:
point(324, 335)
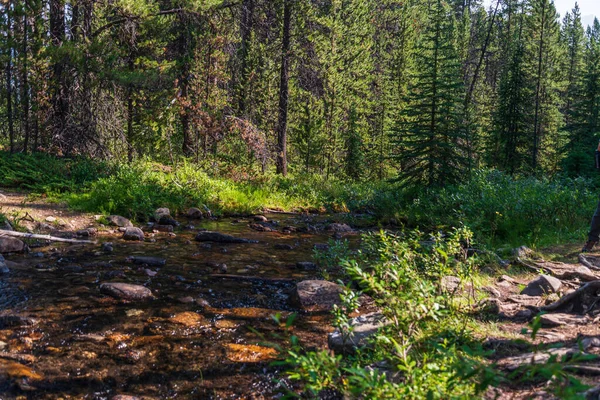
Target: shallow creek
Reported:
point(194, 340)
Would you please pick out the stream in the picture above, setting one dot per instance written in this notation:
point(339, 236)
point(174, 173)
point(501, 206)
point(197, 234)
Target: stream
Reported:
point(202, 336)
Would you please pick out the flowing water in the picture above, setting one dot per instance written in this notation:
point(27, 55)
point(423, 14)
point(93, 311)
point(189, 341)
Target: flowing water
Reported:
point(201, 337)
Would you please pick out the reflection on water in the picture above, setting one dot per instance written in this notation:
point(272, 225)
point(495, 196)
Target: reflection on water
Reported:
point(198, 337)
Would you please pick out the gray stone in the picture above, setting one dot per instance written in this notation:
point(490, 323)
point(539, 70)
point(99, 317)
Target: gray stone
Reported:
point(363, 327)
point(522, 252)
point(168, 228)
point(107, 247)
point(306, 265)
point(126, 291)
point(260, 218)
point(338, 228)
point(167, 220)
point(194, 213)
point(11, 245)
point(559, 319)
point(133, 234)
point(117, 220)
point(209, 236)
point(87, 232)
point(316, 295)
point(543, 284)
point(450, 283)
point(15, 320)
point(124, 397)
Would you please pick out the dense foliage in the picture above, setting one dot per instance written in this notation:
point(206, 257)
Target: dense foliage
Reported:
point(426, 91)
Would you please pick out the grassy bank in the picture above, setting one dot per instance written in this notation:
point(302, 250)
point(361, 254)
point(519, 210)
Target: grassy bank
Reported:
point(500, 209)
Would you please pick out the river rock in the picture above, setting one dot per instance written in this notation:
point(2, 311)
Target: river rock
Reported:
point(124, 397)
point(126, 291)
point(189, 319)
point(117, 220)
point(168, 228)
point(260, 218)
point(194, 213)
point(522, 252)
point(338, 228)
point(132, 233)
point(261, 227)
point(15, 320)
point(161, 212)
point(363, 327)
point(543, 284)
point(11, 245)
point(145, 260)
point(306, 265)
point(315, 295)
point(87, 232)
point(210, 236)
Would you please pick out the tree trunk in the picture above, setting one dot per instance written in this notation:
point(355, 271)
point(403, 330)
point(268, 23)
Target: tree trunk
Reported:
point(58, 97)
point(184, 83)
point(9, 110)
point(536, 118)
point(284, 91)
point(25, 85)
point(246, 31)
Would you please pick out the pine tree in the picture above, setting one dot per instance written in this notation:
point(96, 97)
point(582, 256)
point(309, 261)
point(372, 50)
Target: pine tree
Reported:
point(432, 139)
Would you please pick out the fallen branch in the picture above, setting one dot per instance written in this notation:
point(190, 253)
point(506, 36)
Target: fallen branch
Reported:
point(43, 237)
point(251, 278)
point(588, 288)
point(583, 260)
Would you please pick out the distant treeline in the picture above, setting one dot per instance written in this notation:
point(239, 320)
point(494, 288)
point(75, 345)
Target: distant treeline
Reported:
point(425, 91)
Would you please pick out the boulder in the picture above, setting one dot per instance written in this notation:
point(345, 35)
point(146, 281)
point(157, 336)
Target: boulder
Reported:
point(151, 261)
point(117, 220)
point(363, 327)
point(124, 397)
point(194, 213)
point(522, 252)
point(126, 291)
point(132, 233)
point(559, 319)
point(11, 245)
point(209, 236)
point(543, 284)
point(260, 218)
point(87, 232)
point(161, 212)
point(163, 217)
point(261, 227)
point(338, 228)
point(450, 284)
point(316, 296)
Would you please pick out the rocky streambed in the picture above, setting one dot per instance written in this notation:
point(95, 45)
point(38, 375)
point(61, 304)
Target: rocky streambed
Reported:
point(180, 309)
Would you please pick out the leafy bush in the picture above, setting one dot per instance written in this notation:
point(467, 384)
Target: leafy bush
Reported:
point(500, 208)
point(427, 345)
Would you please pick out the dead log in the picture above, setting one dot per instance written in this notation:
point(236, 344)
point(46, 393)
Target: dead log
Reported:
point(43, 237)
point(588, 289)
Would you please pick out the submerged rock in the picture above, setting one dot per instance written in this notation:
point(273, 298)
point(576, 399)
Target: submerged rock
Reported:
point(126, 291)
point(209, 236)
point(11, 245)
point(117, 220)
point(134, 234)
point(145, 260)
point(260, 218)
point(363, 327)
point(543, 284)
point(315, 295)
point(306, 265)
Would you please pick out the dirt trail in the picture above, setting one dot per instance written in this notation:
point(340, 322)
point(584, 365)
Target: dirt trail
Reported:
point(37, 214)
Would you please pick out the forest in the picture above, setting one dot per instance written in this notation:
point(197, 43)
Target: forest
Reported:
point(329, 199)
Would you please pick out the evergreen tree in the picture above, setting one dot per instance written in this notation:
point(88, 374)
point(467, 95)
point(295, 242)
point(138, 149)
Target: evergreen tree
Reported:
point(432, 140)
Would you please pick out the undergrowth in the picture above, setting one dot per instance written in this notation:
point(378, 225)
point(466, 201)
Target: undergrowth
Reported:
point(498, 208)
point(426, 351)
